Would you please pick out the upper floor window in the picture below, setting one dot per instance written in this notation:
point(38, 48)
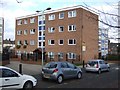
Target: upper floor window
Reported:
point(71, 42)
point(51, 17)
point(61, 15)
point(25, 21)
point(72, 14)
point(19, 32)
point(32, 20)
point(25, 42)
point(51, 42)
point(71, 27)
point(32, 31)
point(25, 32)
point(61, 42)
point(19, 42)
point(51, 29)
point(41, 27)
point(19, 22)
point(61, 28)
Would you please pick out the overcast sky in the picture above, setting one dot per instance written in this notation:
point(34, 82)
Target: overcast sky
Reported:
point(10, 9)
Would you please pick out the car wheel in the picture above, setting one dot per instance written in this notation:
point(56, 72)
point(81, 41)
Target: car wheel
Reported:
point(28, 85)
point(79, 75)
point(60, 79)
point(99, 71)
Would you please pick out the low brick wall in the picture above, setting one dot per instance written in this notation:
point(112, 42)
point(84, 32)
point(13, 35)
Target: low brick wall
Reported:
point(5, 62)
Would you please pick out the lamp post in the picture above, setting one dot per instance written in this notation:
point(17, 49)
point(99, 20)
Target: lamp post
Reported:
point(42, 14)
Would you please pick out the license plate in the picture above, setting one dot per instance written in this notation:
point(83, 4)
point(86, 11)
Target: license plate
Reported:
point(47, 76)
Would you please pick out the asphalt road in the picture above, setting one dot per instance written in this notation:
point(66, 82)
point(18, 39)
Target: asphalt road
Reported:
point(89, 80)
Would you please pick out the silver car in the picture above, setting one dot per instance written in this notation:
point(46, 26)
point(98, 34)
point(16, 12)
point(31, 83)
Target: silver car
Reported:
point(60, 70)
point(97, 66)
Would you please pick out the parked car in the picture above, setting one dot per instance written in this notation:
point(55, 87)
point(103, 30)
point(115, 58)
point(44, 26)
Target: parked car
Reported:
point(10, 78)
point(97, 66)
point(60, 70)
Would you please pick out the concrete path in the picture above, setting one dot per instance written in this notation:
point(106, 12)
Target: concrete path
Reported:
point(29, 69)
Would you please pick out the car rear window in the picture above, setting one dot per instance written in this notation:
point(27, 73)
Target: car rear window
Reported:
point(92, 63)
point(51, 65)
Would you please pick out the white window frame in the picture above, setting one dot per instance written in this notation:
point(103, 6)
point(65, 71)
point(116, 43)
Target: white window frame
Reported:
point(19, 42)
point(51, 17)
point(60, 54)
point(32, 20)
point(51, 55)
point(73, 28)
point(72, 14)
point(25, 32)
point(50, 42)
point(19, 22)
point(32, 31)
point(19, 32)
point(73, 40)
point(51, 29)
point(26, 21)
point(71, 55)
point(61, 15)
point(25, 42)
point(59, 42)
point(60, 28)
point(32, 42)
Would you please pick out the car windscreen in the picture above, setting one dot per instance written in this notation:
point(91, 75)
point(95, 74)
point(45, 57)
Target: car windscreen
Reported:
point(51, 65)
point(92, 63)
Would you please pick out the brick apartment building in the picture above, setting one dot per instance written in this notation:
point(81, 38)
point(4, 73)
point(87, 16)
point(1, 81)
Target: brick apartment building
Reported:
point(68, 33)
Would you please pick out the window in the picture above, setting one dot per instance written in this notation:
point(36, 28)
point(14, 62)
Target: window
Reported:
point(61, 15)
point(51, 42)
point(71, 27)
point(64, 65)
point(60, 55)
point(51, 17)
point(41, 27)
point(42, 38)
point(25, 21)
point(71, 65)
point(25, 42)
point(8, 73)
point(71, 56)
point(51, 55)
point(25, 32)
point(32, 42)
point(61, 28)
point(51, 29)
point(19, 22)
point(32, 20)
point(41, 22)
point(32, 31)
point(61, 42)
point(19, 32)
point(72, 14)
point(71, 42)
point(19, 42)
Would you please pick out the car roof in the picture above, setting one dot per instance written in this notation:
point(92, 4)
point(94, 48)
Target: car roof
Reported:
point(4, 67)
point(96, 60)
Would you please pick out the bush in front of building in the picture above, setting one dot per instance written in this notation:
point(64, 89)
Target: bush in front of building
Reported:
point(113, 57)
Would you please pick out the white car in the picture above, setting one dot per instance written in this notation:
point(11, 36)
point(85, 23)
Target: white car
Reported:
point(9, 78)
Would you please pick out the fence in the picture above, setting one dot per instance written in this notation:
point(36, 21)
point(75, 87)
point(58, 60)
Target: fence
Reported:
point(38, 57)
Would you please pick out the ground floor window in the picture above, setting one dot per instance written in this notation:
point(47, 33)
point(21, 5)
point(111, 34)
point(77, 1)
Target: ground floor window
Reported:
point(60, 55)
point(50, 54)
point(71, 55)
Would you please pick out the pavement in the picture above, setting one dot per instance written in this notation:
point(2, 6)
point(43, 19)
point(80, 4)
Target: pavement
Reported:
point(29, 69)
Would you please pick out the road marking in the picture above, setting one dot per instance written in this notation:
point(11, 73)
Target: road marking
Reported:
point(117, 68)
